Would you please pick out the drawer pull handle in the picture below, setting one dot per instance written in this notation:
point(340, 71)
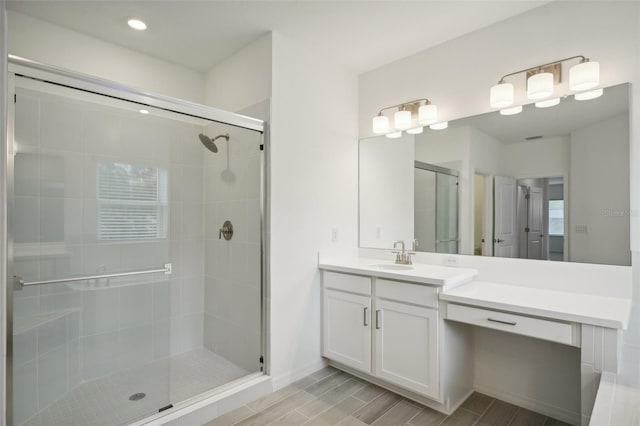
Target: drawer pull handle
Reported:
point(502, 322)
point(366, 322)
point(378, 320)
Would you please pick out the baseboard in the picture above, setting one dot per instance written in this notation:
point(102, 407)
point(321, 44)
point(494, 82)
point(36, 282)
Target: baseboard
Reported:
point(532, 404)
point(286, 379)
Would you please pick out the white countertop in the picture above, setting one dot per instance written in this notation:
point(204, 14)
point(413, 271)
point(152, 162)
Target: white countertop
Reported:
point(568, 306)
point(420, 273)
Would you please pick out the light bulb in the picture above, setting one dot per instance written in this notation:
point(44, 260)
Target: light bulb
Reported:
point(439, 126)
point(402, 120)
point(380, 124)
point(501, 95)
point(427, 114)
point(585, 96)
point(584, 76)
point(144, 111)
point(540, 85)
point(511, 111)
point(415, 130)
point(137, 24)
point(394, 135)
point(548, 103)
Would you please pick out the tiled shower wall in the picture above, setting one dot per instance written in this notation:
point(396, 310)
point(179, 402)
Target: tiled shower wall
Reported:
point(73, 332)
point(232, 326)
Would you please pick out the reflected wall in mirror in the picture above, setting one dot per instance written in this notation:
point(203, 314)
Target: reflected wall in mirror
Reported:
point(548, 184)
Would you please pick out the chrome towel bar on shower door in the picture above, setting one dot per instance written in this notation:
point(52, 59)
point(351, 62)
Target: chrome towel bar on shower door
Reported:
point(166, 270)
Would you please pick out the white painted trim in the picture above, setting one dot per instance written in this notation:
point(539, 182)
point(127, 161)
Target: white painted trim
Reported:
point(291, 376)
point(532, 404)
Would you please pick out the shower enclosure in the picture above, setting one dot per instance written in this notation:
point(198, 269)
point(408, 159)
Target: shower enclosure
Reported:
point(435, 208)
point(135, 250)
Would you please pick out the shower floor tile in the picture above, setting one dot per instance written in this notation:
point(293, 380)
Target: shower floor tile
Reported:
point(105, 401)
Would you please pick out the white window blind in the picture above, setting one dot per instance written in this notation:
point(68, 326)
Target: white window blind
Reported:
point(132, 202)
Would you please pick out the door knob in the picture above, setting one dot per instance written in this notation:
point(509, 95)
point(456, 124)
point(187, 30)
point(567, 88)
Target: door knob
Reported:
point(497, 240)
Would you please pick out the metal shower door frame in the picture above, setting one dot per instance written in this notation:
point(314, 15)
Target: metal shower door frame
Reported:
point(75, 80)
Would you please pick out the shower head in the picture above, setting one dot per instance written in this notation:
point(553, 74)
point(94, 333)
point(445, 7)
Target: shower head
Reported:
point(208, 142)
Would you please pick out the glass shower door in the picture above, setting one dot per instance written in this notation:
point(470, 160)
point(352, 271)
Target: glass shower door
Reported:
point(446, 213)
point(90, 199)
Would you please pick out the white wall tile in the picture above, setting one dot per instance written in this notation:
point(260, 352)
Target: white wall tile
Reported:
point(26, 174)
point(192, 295)
point(175, 221)
point(52, 335)
point(161, 300)
point(61, 125)
point(61, 174)
point(191, 259)
point(136, 305)
point(193, 330)
point(254, 259)
point(101, 133)
point(253, 221)
point(100, 311)
point(74, 363)
point(192, 184)
point(192, 221)
point(161, 338)
point(52, 220)
point(239, 263)
point(25, 390)
point(136, 347)
point(26, 220)
point(24, 347)
point(52, 376)
point(27, 124)
point(99, 355)
point(58, 302)
point(100, 258)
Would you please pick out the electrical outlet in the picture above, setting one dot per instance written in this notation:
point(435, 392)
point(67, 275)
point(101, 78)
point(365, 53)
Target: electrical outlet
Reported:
point(450, 261)
point(334, 235)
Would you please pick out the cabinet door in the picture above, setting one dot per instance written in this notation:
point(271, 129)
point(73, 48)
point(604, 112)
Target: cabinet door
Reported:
point(407, 346)
point(346, 329)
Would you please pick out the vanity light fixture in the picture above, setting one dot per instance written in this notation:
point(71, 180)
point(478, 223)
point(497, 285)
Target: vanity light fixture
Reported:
point(548, 103)
point(591, 94)
point(584, 75)
point(511, 111)
point(137, 24)
point(439, 126)
point(409, 116)
point(394, 135)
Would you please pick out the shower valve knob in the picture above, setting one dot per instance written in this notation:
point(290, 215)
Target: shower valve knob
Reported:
point(226, 231)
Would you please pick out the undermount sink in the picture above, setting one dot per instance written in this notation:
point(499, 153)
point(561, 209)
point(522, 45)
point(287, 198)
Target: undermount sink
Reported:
point(391, 267)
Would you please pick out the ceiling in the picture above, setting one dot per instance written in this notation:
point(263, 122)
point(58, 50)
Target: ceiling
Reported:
point(360, 35)
point(559, 120)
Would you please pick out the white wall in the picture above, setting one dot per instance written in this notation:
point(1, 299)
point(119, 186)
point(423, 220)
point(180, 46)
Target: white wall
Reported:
point(386, 191)
point(53, 45)
point(598, 166)
point(548, 157)
point(243, 79)
point(314, 188)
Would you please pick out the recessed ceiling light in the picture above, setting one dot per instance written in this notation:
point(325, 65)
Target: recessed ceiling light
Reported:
point(144, 111)
point(137, 24)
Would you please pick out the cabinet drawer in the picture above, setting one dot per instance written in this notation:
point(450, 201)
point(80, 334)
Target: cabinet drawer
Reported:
point(346, 282)
point(513, 323)
point(409, 293)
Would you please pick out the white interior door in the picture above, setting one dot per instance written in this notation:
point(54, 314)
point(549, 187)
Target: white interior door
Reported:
point(347, 334)
point(535, 225)
point(505, 237)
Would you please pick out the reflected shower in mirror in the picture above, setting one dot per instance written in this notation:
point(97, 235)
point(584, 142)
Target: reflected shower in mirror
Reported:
point(546, 184)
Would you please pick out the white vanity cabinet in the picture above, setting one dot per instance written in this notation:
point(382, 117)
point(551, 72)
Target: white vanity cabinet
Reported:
point(385, 328)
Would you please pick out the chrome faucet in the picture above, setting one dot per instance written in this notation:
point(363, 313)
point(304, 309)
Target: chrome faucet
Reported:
point(402, 257)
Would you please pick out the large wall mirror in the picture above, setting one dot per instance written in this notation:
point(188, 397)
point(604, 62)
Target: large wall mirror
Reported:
point(547, 184)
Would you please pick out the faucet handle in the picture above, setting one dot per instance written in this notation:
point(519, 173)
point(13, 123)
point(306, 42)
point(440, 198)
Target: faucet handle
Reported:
point(409, 253)
point(398, 256)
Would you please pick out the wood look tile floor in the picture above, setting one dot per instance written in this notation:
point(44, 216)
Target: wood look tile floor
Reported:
point(332, 397)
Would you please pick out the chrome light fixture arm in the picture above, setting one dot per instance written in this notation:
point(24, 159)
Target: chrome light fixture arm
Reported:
point(540, 67)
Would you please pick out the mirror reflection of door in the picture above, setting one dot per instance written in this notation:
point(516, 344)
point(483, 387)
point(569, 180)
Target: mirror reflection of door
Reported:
point(504, 209)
